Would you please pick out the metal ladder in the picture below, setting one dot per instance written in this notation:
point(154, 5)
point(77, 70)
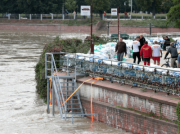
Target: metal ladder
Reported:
point(73, 105)
point(62, 88)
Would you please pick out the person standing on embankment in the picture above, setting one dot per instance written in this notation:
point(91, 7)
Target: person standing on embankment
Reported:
point(156, 52)
point(120, 49)
point(146, 53)
point(136, 50)
point(142, 41)
point(174, 54)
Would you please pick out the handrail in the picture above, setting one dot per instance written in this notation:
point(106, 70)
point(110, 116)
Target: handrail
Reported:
point(56, 82)
point(129, 63)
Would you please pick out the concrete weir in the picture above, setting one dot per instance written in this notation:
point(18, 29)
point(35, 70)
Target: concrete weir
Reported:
point(130, 108)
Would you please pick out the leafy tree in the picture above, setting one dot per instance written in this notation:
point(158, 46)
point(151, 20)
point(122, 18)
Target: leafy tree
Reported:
point(80, 3)
point(120, 4)
point(152, 4)
point(31, 6)
point(99, 5)
point(166, 5)
point(8, 6)
point(136, 6)
point(174, 13)
point(71, 5)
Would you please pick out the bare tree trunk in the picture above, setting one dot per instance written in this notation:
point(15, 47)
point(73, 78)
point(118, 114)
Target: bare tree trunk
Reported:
point(101, 14)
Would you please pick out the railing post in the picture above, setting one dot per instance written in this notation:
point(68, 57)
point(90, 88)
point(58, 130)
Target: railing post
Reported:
point(103, 17)
point(154, 17)
point(41, 17)
point(142, 18)
point(30, 16)
point(48, 89)
point(52, 69)
point(52, 16)
point(166, 17)
point(62, 16)
point(45, 65)
point(19, 16)
point(9, 17)
point(97, 117)
point(53, 97)
point(74, 16)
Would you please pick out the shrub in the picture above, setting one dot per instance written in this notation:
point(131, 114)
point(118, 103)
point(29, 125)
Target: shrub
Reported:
point(97, 40)
point(58, 45)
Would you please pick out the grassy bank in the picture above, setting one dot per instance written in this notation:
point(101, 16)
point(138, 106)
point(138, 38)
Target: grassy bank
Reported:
point(142, 23)
point(62, 22)
point(87, 22)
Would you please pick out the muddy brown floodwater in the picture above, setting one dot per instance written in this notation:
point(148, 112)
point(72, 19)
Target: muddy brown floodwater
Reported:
point(22, 111)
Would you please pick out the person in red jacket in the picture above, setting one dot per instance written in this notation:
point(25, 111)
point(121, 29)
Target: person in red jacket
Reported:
point(104, 14)
point(146, 53)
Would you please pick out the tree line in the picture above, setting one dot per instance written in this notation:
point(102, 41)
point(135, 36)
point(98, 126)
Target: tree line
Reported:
point(99, 6)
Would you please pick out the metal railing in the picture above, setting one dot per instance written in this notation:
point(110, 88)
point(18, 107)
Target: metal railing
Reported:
point(77, 16)
point(156, 78)
point(56, 85)
point(57, 88)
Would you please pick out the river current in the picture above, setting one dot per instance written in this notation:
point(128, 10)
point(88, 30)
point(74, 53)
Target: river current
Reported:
point(22, 111)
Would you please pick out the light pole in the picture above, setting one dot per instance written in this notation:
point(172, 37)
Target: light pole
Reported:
point(108, 29)
point(131, 6)
point(150, 28)
point(125, 8)
point(92, 41)
point(118, 22)
point(63, 8)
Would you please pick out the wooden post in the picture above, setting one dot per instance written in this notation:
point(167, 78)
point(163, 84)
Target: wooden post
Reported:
point(118, 22)
point(92, 46)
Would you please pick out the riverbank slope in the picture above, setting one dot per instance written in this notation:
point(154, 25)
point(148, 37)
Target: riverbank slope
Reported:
point(83, 26)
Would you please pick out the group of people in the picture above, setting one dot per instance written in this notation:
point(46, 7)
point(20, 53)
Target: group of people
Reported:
point(142, 51)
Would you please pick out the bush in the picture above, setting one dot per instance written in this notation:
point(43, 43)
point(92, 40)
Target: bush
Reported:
point(58, 45)
point(97, 40)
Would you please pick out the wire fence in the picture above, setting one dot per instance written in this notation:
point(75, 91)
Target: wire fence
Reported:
point(78, 16)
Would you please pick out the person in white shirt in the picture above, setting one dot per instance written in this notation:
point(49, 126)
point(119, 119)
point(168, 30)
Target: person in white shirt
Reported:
point(136, 51)
point(156, 53)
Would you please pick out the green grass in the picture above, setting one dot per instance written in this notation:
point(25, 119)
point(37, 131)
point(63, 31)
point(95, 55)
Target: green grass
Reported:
point(80, 22)
point(143, 23)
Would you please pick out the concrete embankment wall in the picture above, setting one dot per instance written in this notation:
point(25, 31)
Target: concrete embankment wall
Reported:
point(50, 28)
point(82, 29)
point(125, 107)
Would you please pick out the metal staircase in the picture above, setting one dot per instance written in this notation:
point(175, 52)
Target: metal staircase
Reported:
point(62, 88)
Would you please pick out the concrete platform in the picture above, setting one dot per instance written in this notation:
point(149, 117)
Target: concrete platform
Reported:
point(116, 87)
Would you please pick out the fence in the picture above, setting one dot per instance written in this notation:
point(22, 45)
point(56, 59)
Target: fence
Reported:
point(77, 16)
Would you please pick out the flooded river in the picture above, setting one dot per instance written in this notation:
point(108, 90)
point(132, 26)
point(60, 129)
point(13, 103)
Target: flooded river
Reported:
point(22, 111)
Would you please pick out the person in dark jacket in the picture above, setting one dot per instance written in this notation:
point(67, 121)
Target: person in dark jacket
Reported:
point(121, 49)
point(174, 54)
point(166, 43)
point(142, 41)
